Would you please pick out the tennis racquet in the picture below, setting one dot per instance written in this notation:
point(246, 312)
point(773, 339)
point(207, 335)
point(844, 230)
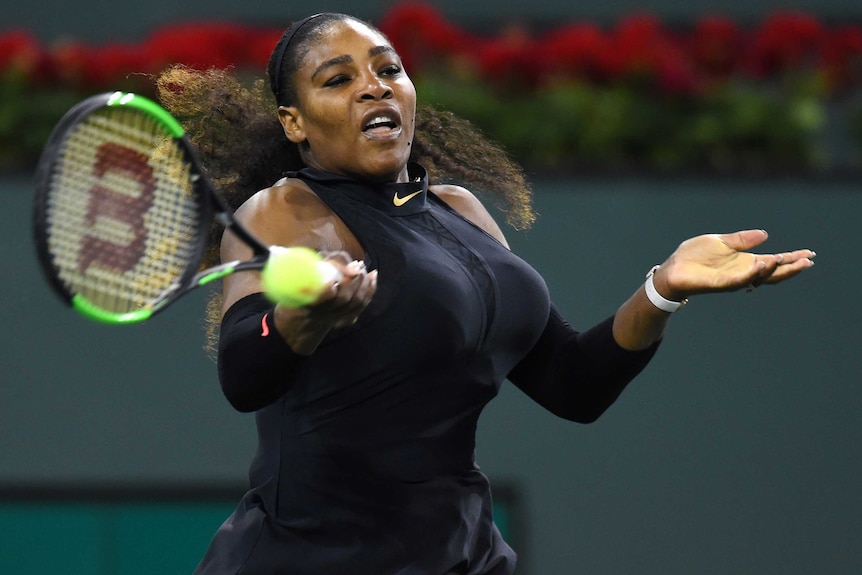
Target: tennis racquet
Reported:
point(123, 210)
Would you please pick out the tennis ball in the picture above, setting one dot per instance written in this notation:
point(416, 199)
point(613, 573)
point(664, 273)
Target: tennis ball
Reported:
point(295, 276)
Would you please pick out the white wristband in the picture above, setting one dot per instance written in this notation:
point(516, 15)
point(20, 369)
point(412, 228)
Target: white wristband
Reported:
point(657, 299)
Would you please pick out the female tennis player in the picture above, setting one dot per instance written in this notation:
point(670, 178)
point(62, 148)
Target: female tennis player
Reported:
point(367, 400)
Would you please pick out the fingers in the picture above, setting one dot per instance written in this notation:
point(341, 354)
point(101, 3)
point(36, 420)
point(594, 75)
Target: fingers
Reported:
point(347, 298)
point(791, 257)
point(792, 264)
point(744, 240)
point(775, 268)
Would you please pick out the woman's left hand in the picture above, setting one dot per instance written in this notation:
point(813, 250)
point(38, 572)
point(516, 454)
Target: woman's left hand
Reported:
point(722, 263)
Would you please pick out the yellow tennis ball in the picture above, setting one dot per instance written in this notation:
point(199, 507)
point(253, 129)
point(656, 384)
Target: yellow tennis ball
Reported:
point(295, 276)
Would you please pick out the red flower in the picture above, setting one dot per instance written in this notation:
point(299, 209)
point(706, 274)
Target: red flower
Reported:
point(635, 42)
point(18, 50)
point(71, 60)
point(574, 50)
point(716, 46)
point(111, 65)
point(512, 58)
point(422, 36)
point(21, 54)
point(841, 57)
point(200, 46)
point(97, 68)
point(784, 41)
point(674, 71)
point(641, 47)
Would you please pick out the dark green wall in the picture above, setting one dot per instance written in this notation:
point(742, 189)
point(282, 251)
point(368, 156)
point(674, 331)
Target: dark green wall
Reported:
point(734, 452)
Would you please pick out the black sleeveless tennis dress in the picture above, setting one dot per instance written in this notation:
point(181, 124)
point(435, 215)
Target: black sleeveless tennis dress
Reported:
point(365, 466)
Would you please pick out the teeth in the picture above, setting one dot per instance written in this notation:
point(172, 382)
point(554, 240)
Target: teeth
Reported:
point(378, 121)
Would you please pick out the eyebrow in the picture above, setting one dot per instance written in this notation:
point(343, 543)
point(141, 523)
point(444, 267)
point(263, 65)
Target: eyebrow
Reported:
point(338, 60)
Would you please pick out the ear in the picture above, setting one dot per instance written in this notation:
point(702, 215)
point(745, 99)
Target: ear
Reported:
point(291, 121)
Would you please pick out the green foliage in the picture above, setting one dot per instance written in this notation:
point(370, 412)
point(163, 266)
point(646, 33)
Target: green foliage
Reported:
point(581, 126)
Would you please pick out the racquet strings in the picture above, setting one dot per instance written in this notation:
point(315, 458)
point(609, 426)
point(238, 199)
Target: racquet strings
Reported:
point(123, 221)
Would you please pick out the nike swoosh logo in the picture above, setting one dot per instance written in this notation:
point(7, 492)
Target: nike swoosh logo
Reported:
point(401, 201)
point(264, 331)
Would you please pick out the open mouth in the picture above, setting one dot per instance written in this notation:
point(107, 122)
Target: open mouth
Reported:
point(382, 126)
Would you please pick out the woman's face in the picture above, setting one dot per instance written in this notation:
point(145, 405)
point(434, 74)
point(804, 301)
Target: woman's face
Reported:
point(356, 107)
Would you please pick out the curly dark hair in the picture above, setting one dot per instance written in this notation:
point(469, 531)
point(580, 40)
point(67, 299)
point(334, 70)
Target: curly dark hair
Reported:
point(233, 124)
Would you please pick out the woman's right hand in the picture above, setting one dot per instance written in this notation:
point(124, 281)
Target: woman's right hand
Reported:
point(340, 305)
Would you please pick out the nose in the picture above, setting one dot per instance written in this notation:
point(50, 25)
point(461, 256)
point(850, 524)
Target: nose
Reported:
point(374, 88)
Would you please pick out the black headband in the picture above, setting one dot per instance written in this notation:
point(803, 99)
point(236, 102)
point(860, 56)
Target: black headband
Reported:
point(276, 76)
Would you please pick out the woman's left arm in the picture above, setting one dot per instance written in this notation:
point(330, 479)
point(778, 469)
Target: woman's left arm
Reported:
point(708, 263)
point(578, 375)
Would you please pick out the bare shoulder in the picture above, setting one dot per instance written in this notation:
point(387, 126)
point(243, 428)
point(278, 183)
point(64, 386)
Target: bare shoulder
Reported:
point(289, 198)
point(288, 213)
point(470, 207)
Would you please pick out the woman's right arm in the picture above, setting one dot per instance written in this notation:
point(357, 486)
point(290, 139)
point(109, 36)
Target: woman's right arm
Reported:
point(262, 345)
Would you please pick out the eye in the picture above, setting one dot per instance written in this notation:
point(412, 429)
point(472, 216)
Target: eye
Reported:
point(390, 70)
point(337, 80)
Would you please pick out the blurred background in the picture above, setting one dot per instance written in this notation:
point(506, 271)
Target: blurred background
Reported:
point(640, 124)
